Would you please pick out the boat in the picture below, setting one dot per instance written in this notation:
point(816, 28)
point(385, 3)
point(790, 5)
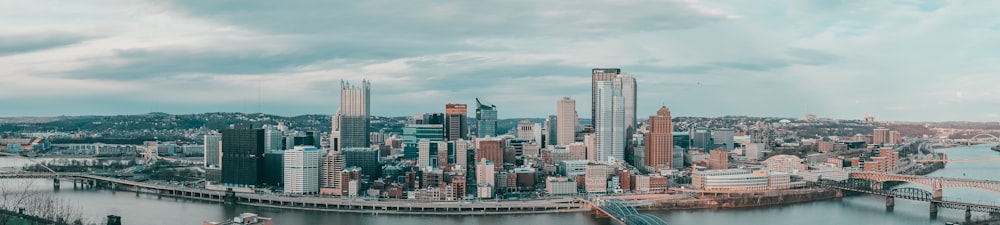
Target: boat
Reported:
point(996, 148)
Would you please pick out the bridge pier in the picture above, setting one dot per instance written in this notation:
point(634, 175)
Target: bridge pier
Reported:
point(890, 203)
point(934, 210)
point(968, 214)
point(55, 183)
point(137, 190)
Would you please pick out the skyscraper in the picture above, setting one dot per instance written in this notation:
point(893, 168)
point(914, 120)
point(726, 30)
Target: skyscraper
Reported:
point(599, 74)
point(609, 124)
point(659, 140)
point(881, 135)
point(486, 119)
point(626, 83)
point(565, 124)
point(365, 158)
point(490, 149)
point(243, 156)
point(302, 166)
point(355, 110)
point(550, 129)
point(213, 149)
point(273, 138)
point(333, 166)
point(455, 116)
point(335, 132)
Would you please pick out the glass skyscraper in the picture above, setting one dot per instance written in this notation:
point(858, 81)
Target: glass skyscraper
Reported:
point(354, 118)
point(486, 119)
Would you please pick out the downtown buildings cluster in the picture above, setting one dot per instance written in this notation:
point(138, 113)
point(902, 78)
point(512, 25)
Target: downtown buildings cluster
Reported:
point(450, 156)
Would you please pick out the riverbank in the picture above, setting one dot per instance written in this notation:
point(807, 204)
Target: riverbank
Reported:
point(743, 200)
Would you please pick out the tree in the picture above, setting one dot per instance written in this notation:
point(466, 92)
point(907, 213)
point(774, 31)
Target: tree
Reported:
point(20, 194)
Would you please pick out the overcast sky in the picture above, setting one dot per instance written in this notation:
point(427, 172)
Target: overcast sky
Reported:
point(898, 60)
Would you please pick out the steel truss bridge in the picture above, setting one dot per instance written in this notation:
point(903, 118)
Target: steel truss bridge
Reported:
point(874, 183)
point(622, 212)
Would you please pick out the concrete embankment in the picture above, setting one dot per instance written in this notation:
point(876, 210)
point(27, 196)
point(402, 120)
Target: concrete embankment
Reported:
point(744, 200)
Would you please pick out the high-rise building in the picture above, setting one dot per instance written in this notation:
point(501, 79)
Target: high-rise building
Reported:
point(273, 138)
point(427, 153)
point(724, 137)
point(881, 136)
point(413, 133)
point(486, 119)
point(609, 125)
point(242, 156)
point(332, 167)
point(525, 130)
point(364, 158)
point(659, 140)
point(455, 126)
point(213, 149)
point(566, 124)
point(335, 132)
point(551, 129)
point(490, 149)
point(626, 83)
point(302, 166)
point(597, 75)
point(485, 177)
point(355, 109)
point(274, 168)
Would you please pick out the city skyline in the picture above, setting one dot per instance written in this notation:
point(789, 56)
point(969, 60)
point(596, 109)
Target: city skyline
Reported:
point(701, 58)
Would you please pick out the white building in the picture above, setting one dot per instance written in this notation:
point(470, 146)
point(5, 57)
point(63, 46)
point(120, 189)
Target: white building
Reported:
point(609, 123)
point(739, 180)
point(560, 186)
point(302, 170)
point(485, 178)
point(213, 149)
point(572, 167)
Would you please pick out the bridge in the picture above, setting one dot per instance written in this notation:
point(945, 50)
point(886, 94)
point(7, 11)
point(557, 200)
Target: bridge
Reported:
point(622, 212)
point(875, 184)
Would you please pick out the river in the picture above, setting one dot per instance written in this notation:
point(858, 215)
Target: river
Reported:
point(855, 210)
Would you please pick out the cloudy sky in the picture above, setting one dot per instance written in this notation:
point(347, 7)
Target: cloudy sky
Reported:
point(898, 60)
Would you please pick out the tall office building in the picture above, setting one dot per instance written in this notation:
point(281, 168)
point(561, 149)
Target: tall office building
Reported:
point(597, 75)
point(332, 167)
point(273, 138)
point(609, 125)
point(550, 130)
point(243, 156)
point(365, 158)
point(413, 133)
point(486, 119)
point(355, 111)
point(525, 130)
point(455, 126)
point(626, 83)
point(302, 166)
point(490, 149)
point(660, 140)
point(213, 149)
point(485, 177)
point(566, 124)
point(335, 132)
